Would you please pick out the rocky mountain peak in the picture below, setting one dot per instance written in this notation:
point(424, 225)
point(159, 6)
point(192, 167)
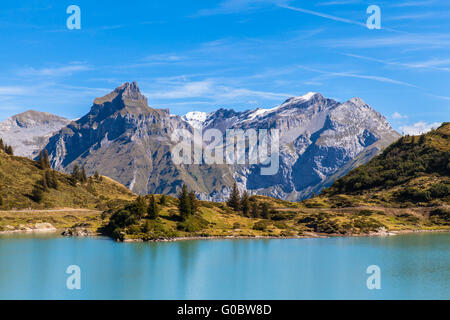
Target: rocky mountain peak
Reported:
point(32, 118)
point(128, 93)
point(131, 91)
point(358, 101)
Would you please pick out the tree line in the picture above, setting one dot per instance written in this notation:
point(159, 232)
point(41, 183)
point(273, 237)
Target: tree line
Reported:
point(248, 206)
point(7, 149)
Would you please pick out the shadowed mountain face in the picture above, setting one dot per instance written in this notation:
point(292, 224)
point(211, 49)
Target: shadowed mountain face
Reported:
point(123, 138)
point(28, 132)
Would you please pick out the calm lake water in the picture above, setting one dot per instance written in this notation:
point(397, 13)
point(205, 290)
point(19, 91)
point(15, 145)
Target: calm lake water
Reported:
point(412, 267)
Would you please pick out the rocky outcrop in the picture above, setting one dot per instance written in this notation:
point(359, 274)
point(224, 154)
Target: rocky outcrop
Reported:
point(78, 230)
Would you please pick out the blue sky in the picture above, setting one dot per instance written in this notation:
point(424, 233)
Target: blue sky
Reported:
point(241, 54)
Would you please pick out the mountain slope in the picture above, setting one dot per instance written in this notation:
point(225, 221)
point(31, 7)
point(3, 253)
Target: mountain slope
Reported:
point(28, 132)
point(413, 171)
point(318, 138)
point(20, 176)
point(125, 139)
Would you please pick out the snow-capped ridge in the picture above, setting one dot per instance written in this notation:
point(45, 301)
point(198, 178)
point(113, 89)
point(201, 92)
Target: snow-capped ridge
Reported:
point(195, 118)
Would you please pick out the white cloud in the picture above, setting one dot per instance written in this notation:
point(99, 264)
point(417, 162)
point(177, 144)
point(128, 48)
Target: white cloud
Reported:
point(212, 91)
point(237, 6)
point(54, 71)
point(323, 15)
point(11, 90)
point(337, 3)
point(413, 4)
point(398, 116)
point(417, 41)
point(188, 90)
point(419, 128)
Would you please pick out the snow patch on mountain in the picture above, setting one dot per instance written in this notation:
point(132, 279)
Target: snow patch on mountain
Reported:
point(195, 118)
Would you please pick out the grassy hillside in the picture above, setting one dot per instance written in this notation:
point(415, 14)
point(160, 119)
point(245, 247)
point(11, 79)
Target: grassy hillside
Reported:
point(286, 219)
point(414, 171)
point(21, 177)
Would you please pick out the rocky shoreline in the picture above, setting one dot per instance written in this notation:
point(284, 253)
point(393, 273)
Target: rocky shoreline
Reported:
point(82, 230)
point(38, 227)
point(310, 235)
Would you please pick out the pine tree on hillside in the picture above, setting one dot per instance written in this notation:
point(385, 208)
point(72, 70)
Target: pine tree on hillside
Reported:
point(46, 160)
point(9, 150)
point(44, 181)
point(265, 210)
point(2, 145)
point(184, 204)
point(254, 211)
point(138, 207)
point(152, 209)
point(234, 201)
point(41, 160)
point(194, 202)
point(37, 194)
point(245, 204)
point(162, 200)
point(76, 173)
point(51, 179)
point(83, 177)
point(96, 175)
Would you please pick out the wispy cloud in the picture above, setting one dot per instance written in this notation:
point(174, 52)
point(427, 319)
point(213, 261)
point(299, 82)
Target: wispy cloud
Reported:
point(361, 76)
point(397, 116)
point(416, 41)
point(210, 90)
point(337, 2)
point(413, 4)
point(433, 64)
point(419, 127)
point(323, 15)
point(13, 90)
point(66, 70)
point(237, 6)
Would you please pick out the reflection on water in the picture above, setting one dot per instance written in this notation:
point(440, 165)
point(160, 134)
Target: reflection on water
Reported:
point(33, 266)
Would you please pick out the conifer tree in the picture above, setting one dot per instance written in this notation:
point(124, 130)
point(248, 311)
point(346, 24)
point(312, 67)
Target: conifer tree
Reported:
point(245, 203)
point(44, 181)
point(9, 150)
point(76, 172)
point(2, 145)
point(234, 200)
point(184, 204)
point(254, 211)
point(194, 202)
point(41, 160)
point(46, 160)
point(51, 179)
point(138, 208)
point(37, 194)
point(162, 200)
point(152, 209)
point(265, 210)
point(83, 177)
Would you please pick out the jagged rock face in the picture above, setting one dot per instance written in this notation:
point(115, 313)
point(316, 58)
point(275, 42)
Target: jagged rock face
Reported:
point(123, 138)
point(318, 138)
point(29, 132)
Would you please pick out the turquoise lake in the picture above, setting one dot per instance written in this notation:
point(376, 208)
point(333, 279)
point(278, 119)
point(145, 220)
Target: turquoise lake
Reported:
point(414, 266)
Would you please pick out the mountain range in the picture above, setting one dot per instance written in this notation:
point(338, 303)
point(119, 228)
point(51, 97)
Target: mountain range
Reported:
point(123, 138)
